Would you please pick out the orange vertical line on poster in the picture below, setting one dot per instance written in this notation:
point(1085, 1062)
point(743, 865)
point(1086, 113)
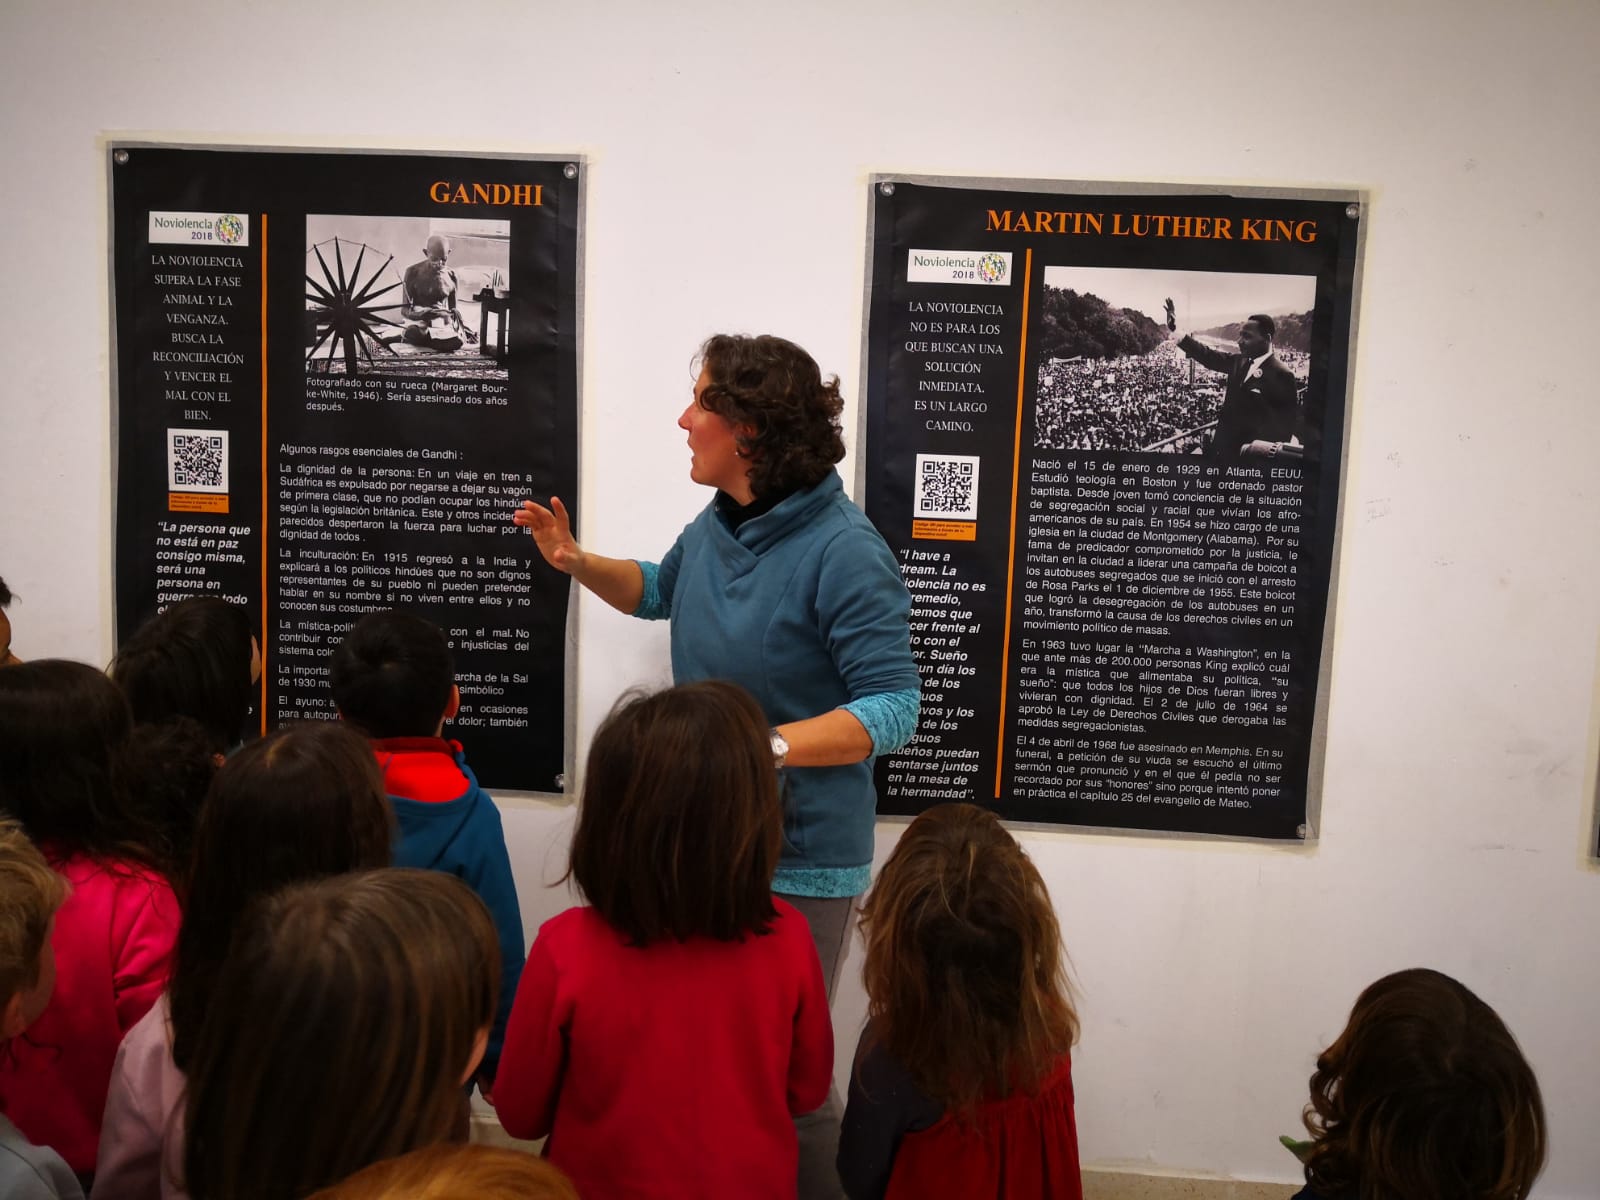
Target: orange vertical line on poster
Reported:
point(264, 482)
point(1011, 552)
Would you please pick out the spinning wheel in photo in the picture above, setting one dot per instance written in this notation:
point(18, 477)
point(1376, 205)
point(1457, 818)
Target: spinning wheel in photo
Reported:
point(345, 304)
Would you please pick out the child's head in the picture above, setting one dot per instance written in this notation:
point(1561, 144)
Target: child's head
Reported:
point(680, 826)
point(63, 726)
point(165, 771)
point(198, 659)
point(393, 676)
point(450, 1172)
point(965, 972)
point(1425, 1096)
point(304, 802)
point(347, 1017)
point(30, 893)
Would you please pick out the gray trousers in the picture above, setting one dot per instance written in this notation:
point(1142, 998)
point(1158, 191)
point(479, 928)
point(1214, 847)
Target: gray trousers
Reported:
point(831, 921)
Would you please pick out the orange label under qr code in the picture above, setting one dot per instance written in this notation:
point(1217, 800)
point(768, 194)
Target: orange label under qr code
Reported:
point(945, 531)
point(196, 502)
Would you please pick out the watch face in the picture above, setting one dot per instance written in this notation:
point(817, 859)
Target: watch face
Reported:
point(780, 747)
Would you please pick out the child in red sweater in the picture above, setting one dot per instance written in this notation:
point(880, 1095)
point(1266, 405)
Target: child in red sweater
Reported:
point(962, 1085)
point(664, 1037)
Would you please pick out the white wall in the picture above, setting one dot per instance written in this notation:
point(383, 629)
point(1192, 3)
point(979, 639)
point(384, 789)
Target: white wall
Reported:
point(729, 144)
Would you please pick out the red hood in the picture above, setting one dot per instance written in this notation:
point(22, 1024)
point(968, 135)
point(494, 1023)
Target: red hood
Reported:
point(425, 769)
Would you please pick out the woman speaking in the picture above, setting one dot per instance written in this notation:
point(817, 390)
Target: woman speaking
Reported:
point(782, 585)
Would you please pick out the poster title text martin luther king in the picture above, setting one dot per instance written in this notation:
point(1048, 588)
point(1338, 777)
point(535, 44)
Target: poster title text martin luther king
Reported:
point(1089, 224)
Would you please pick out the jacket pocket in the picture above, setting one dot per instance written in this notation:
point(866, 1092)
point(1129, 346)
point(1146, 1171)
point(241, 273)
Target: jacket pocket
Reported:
point(794, 833)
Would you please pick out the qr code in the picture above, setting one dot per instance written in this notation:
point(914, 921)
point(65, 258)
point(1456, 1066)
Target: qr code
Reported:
point(197, 460)
point(947, 488)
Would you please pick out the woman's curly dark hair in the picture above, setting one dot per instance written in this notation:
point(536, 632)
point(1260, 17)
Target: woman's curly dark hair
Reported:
point(775, 390)
point(1424, 1096)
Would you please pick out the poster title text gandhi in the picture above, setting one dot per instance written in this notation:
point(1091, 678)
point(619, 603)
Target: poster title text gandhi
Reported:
point(1239, 229)
point(517, 195)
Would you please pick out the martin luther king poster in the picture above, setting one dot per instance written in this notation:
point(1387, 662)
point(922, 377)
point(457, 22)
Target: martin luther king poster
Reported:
point(1105, 433)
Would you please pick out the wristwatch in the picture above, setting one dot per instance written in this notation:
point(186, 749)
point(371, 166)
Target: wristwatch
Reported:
point(780, 748)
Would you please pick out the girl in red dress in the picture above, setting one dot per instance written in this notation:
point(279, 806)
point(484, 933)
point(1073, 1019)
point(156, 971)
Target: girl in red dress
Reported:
point(962, 1084)
point(665, 1034)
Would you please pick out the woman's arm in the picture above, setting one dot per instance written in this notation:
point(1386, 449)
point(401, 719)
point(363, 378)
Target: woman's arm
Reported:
point(863, 613)
point(830, 740)
point(617, 581)
point(876, 724)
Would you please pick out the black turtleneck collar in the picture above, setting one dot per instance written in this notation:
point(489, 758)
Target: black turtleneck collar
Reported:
point(736, 514)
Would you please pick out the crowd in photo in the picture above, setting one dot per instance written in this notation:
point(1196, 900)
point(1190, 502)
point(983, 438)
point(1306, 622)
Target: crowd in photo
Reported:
point(1131, 402)
point(251, 963)
point(287, 1013)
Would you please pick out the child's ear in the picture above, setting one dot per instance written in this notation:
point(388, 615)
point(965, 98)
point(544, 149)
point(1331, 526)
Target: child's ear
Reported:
point(452, 708)
point(479, 1045)
point(11, 1018)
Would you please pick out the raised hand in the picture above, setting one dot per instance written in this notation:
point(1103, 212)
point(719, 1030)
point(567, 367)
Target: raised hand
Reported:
point(552, 533)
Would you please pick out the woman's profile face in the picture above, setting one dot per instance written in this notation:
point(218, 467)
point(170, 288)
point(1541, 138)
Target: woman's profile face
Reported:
point(714, 447)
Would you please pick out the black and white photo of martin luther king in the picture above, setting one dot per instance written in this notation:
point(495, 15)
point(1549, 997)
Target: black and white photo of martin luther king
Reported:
point(1260, 415)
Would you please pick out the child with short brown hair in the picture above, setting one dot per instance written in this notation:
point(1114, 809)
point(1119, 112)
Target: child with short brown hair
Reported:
point(30, 894)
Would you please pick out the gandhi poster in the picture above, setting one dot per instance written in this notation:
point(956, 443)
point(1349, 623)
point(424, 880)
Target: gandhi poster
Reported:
point(335, 375)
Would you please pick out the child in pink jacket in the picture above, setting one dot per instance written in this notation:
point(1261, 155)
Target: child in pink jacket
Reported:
point(61, 725)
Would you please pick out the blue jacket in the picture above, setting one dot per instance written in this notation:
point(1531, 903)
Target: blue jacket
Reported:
point(804, 607)
point(448, 823)
point(29, 1172)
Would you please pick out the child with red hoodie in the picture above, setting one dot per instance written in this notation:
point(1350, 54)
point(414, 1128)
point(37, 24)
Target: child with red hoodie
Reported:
point(394, 681)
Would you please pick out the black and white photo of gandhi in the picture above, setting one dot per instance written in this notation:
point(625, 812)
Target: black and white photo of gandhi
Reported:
point(407, 296)
point(1116, 374)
